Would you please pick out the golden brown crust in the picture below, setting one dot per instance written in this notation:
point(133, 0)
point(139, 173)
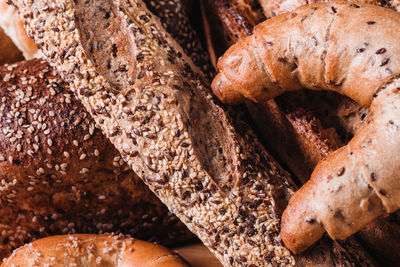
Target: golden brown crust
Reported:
point(14, 28)
point(59, 174)
point(83, 250)
point(9, 53)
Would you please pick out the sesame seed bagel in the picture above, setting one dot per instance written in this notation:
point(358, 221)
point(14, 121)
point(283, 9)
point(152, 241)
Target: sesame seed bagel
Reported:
point(151, 102)
point(319, 47)
point(83, 250)
point(58, 172)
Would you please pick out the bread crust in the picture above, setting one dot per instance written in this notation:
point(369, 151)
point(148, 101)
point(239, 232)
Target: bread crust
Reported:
point(9, 53)
point(14, 28)
point(83, 250)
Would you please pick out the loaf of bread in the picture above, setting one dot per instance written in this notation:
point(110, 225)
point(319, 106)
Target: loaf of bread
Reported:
point(83, 250)
point(146, 95)
point(327, 200)
point(59, 174)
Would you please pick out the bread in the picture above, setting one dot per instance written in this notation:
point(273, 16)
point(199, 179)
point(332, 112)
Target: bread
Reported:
point(14, 28)
point(167, 127)
point(59, 174)
point(93, 250)
point(303, 127)
point(174, 17)
point(9, 53)
point(303, 219)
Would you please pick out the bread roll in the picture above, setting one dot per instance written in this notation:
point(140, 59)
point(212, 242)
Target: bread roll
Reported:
point(344, 193)
point(59, 174)
point(85, 250)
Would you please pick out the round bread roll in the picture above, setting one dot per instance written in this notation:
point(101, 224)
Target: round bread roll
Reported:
point(14, 28)
point(93, 250)
point(59, 174)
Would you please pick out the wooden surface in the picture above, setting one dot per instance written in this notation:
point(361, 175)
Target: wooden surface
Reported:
point(198, 256)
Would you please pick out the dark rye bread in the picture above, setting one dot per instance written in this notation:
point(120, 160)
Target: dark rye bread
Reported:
point(167, 127)
point(59, 174)
point(304, 127)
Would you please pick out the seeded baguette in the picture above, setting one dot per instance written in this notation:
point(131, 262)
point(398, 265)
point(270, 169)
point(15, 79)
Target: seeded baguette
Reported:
point(228, 201)
point(318, 202)
point(83, 250)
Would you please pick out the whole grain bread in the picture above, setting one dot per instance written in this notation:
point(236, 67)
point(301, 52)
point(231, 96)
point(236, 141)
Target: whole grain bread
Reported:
point(146, 95)
point(59, 174)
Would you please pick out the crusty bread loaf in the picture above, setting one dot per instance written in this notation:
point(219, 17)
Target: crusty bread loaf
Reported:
point(83, 250)
point(9, 53)
point(144, 92)
point(344, 187)
point(59, 174)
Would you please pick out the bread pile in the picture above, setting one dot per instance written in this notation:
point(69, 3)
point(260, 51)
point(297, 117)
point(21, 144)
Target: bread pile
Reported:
point(59, 174)
point(151, 98)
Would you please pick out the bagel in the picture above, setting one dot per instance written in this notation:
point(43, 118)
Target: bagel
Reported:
point(344, 192)
point(84, 250)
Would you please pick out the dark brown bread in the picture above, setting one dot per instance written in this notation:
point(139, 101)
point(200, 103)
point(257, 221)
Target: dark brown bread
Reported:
point(168, 127)
point(59, 174)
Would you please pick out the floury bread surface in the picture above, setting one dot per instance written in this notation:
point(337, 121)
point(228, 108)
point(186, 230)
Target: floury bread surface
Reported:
point(147, 97)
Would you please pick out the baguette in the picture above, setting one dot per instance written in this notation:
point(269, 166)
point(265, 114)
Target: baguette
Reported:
point(59, 174)
point(167, 126)
point(318, 205)
point(83, 250)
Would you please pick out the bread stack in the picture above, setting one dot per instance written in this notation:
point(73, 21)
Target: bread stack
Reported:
point(59, 174)
point(128, 107)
